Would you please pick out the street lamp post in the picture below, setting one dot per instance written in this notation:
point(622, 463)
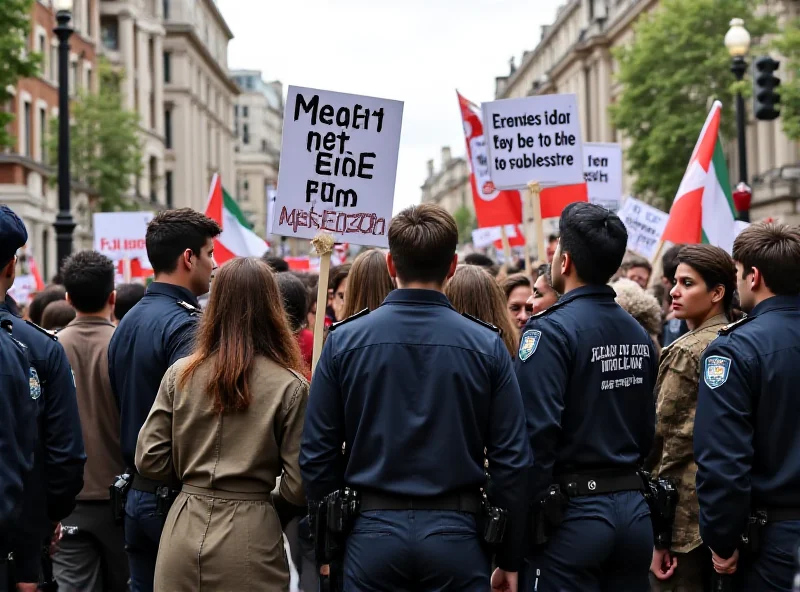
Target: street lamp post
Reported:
point(64, 224)
point(737, 40)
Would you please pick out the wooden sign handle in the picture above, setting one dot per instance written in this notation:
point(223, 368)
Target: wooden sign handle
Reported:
point(538, 224)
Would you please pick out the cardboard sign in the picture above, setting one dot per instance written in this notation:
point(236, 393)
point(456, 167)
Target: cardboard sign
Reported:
point(534, 139)
point(645, 225)
point(602, 170)
point(338, 166)
point(483, 237)
point(121, 235)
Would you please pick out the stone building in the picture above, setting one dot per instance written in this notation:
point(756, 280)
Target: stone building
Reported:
point(574, 56)
point(449, 186)
point(26, 170)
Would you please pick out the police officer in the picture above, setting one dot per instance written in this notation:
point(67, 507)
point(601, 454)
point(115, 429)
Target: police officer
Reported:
point(155, 334)
point(416, 391)
point(746, 441)
point(587, 370)
point(57, 476)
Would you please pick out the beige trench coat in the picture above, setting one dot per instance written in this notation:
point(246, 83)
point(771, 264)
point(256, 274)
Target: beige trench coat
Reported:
point(222, 533)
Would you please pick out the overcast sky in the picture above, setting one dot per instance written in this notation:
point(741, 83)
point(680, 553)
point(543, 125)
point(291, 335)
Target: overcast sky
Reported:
point(416, 51)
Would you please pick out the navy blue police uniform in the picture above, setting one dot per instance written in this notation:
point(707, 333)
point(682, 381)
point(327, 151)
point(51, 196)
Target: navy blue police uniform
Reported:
point(17, 440)
point(587, 371)
point(746, 441)
point(153, 335)
point(416, 392)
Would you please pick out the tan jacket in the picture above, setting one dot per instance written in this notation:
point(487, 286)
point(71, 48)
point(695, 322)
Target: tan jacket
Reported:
point(85, 340)
point(222, 530)
point(676, 389)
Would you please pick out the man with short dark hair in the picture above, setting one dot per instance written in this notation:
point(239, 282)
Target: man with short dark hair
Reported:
point(587, 371)
point(156, 333)
point(93, 558)
point(746, 441)
point(277, 264)
point(47, 296)
point(417, 392)
point(127, 297)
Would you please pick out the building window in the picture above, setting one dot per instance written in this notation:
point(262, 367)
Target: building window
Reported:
point(245, 111)
point(264, 146)
point(245, 134)
point(153, 179)
point(74, 81)
point(236, 110)
point(245, 196)
point(43, 134)
point(167, 67)
point(54, 64)
point(168, 128)
point(89, 79)
point(42, 49)
point(109, 32)
point(165, 8)
point(168, 188)
point(27, 143)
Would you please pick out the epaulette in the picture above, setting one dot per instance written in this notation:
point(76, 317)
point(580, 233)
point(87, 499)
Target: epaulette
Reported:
point(550, 309)
point(50, 334)
point(191, 308)
point(480, 322)
point(359, 314)
point(7, 325)
point(730, 327)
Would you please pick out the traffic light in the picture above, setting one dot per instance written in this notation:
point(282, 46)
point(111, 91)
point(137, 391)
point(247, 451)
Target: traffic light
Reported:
point(765, 82)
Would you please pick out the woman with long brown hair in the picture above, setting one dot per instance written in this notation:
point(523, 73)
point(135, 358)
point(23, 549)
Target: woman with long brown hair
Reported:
point(473, 291)
point(368, 283)
point(227, 421)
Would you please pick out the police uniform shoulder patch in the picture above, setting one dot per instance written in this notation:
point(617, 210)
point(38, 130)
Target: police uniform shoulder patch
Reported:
point(529, 343)
point(716, 371)
point(190, 307)
point(50, 334)
point(730, 327)
point(359, 314)
point(34, 384)
point(480, 322)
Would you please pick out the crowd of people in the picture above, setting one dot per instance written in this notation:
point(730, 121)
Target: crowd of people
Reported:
point(173, 437)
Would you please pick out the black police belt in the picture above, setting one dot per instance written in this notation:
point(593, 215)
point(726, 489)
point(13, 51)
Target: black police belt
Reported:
point(150, 486)
point(599, 482)
point(782, 514)
point(457, 502)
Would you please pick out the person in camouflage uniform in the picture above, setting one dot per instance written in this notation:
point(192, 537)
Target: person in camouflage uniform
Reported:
point(702, 295)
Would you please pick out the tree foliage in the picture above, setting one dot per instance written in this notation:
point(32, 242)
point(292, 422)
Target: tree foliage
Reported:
point(15, 61)
point(670, 74)
point(466, 224)
point(789, 46)
point(105, 146)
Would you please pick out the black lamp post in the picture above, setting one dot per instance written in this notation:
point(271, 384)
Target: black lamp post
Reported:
point(64, 224)
point(737, 40)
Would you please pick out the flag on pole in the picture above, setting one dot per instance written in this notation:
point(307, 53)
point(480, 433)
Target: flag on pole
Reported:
point(515, 239)
point(703, 210)
point(236, 240)
point(34, 270)
point(492, 207)
point(554, 199)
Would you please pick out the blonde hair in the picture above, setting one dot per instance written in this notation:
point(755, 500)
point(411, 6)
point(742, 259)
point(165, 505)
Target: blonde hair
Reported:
point(473, 291)
point(368, 283)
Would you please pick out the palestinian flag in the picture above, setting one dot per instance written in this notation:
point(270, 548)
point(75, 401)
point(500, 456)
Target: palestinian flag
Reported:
point(703, 210)
point(236, 240)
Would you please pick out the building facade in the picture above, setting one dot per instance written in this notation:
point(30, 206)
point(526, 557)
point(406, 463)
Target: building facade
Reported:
point(258, 125)
point(449, 186)
point(574, 55)
point(26, 170)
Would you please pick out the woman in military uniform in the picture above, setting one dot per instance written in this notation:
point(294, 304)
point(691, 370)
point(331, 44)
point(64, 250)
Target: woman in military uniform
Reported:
point(702, 296)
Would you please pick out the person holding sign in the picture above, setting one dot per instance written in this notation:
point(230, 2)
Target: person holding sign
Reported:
point(418, 392)
point(587, 370)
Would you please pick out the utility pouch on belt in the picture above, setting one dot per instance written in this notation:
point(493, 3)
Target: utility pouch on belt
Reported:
point(164, 498)
point(492, 522)
point(662, 498)
point(751, 537)
point(547, 515)
point(118, 492)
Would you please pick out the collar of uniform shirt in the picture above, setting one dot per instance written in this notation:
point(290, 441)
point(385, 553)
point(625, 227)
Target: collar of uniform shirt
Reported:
point(591, 290)
point(776, 303)
point(177, 292)
point(417, 296)
point(11, 306)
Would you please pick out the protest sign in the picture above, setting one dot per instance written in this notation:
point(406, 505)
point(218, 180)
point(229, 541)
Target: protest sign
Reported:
point(602, 170)
point(338, 166)
point(121, 235)
point(534, 139)
point(23, 288)
point(483, 237)
point(645, 225)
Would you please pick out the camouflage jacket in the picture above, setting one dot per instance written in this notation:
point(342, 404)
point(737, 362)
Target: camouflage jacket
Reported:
point(673, 457)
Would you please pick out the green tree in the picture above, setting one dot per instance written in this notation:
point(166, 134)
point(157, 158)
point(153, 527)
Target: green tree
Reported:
point(15, 61)
point(466, 224)
point(674, 68)
point(105, 146)
point(789, 45)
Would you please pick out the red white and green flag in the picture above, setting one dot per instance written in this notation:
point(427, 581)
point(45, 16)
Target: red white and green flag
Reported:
point(703, 210)
point(237, 239)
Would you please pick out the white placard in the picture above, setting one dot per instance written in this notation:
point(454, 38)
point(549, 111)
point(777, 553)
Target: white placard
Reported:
point(338, 166)
point(534, 139)
point(645, 225)
point(602, 170)
point(483, 237)
point(121, 235)
point(22, 289)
